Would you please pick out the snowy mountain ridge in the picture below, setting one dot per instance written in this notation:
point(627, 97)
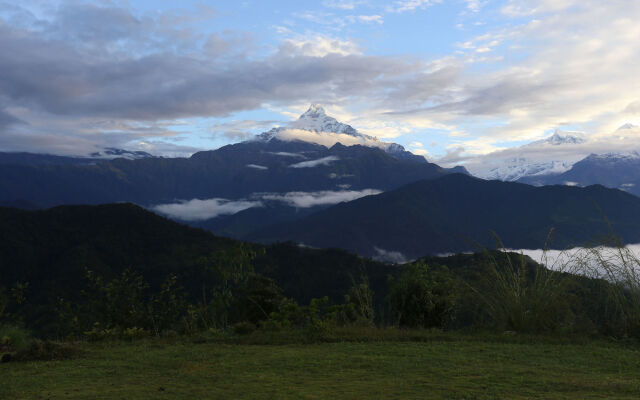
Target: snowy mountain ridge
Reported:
point(320, 125)
point(519, 166)
point(560, 138)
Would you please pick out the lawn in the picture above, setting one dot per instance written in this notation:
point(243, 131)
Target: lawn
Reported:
point(454, 367)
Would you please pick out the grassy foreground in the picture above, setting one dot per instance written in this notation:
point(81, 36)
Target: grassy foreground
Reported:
point(447, 366)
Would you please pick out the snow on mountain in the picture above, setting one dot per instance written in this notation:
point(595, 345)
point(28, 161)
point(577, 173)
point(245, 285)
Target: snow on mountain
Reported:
point(615, 157)
point(531, 159)
point(517, 168)
point(559, 138)
point(316, 119)
point(315, 126)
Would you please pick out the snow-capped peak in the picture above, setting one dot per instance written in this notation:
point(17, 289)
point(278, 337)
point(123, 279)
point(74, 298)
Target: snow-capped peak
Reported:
point(315, 110)
point(316, 119)
point(559, 138)
point(315, 126)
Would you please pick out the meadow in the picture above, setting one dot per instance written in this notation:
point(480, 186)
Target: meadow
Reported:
point(388, 364)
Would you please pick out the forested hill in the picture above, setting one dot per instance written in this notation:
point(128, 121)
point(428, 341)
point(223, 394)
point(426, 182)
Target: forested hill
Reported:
point(51, 251)
point(457, 213)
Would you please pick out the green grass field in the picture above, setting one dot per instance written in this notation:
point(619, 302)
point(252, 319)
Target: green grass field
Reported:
point(448, 366)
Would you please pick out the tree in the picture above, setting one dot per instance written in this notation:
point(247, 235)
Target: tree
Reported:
point(422, 296)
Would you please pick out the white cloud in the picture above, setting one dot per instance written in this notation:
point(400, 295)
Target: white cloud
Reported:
point(315, 163)
point(411, 5)
point(287, 154)
point(255, 166)
point(198, 210)
point(328, 139)
point(319, 46)
point(342, 4)
point(325, 197)
point(482, 163)
point(377, 19)
point(393, 257)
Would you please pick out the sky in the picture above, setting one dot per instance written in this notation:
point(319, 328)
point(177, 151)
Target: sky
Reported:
point(454, 80)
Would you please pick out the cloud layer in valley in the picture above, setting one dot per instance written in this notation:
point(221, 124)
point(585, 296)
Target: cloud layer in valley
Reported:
point(198, 210)
point(325, 197)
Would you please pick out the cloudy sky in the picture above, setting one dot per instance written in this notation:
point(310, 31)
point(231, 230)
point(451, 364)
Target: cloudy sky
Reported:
point(449, 79)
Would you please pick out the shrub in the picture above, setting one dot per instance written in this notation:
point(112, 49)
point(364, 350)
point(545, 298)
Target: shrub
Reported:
point(422, 296)
point(243, 328)
point(14, 338)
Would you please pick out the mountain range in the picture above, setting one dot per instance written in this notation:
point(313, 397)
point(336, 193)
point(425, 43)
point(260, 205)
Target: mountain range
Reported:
point(458, 213)
point(271, 163)
point(566, 158)
point(321, 183)
point(616, 170)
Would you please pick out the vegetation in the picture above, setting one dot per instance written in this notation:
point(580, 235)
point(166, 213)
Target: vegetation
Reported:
point(160, 309)
point(437, 366)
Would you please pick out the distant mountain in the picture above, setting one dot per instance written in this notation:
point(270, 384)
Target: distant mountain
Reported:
point(560, 138)
point(277, 162)
point(531, 159)
point(42, 159)
point(456, 212)
point(616, 170)
point(317, 121)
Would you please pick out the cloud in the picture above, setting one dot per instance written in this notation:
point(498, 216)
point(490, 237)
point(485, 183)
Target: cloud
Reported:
point(83, 76)
point(315, 163)
point(377, 19)
point(198, 210)
point(319, 46)
point(287, 154)
point(342, 4)
point(392, 257)
point(238, 130)
point(411, 5)
point(559, 157)
point(328, 139)
point(255, 166)
point(325, 197)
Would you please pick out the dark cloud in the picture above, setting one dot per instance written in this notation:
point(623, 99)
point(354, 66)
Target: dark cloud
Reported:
point(7, 119)
point(59, 71)
point(88, 63)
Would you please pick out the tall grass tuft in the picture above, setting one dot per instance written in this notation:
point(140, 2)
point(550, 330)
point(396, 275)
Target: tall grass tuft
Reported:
point(521, 295)
point(617, 268)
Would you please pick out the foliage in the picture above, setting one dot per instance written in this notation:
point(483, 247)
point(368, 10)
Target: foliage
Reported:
point(522, 296)
point(422, 296)
point(616, 269)
point(358, 305)
point(14, 338)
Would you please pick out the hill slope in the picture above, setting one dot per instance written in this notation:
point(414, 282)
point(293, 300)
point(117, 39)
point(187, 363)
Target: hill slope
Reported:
point(51, 250)
point(456, 212)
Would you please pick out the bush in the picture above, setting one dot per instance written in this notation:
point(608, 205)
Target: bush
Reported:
point(13, 339)
point(243, 328)
point(422, 297)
